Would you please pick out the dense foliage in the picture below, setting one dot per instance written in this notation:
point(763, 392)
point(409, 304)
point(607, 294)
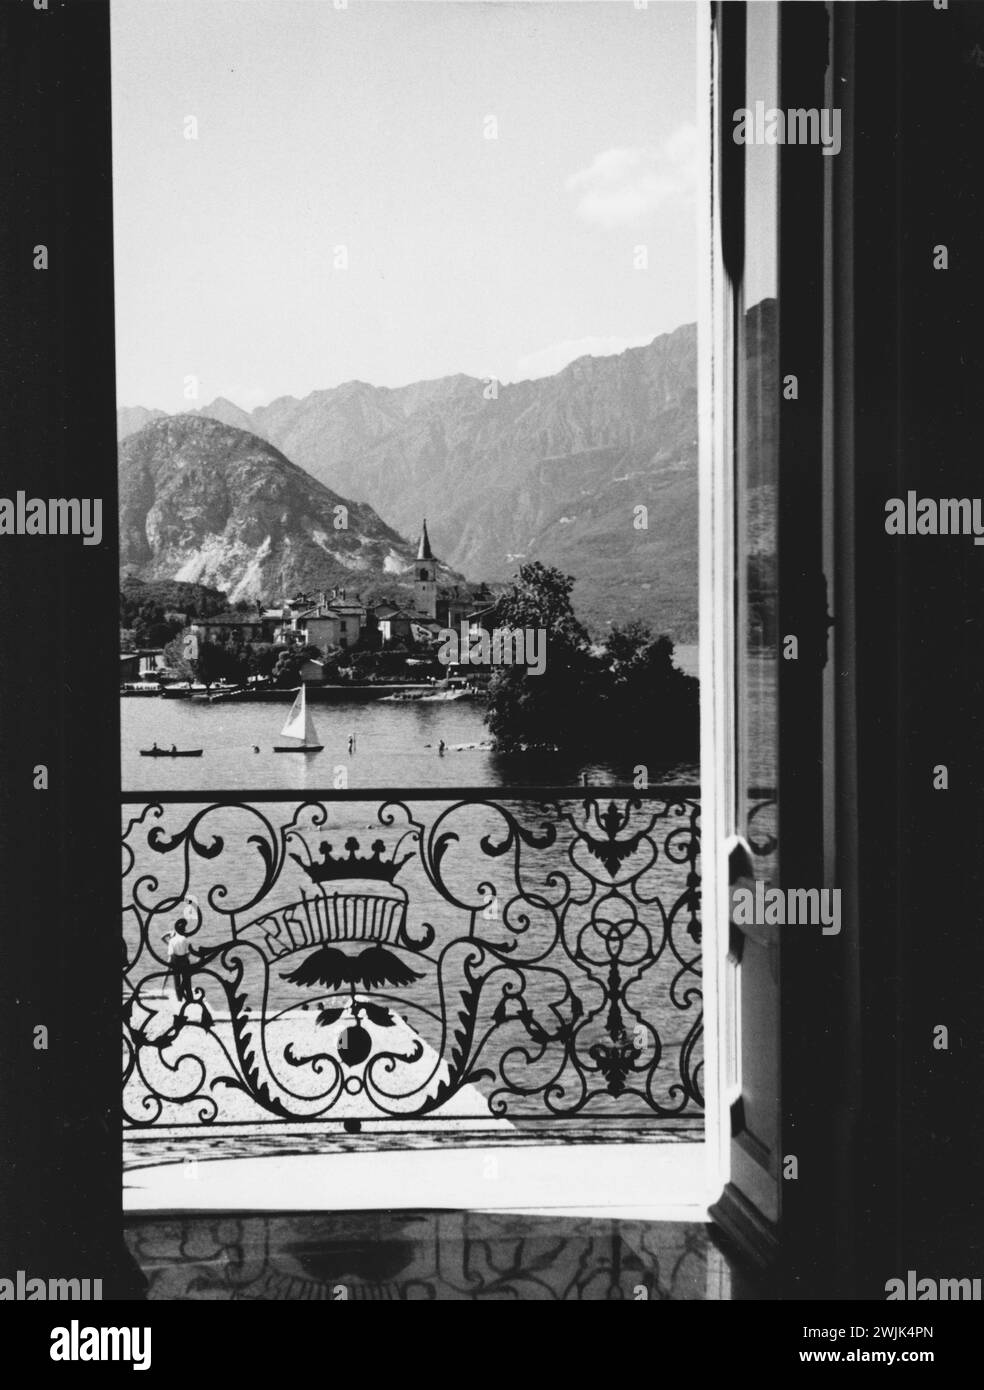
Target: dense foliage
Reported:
point(155, 611)
point(625, 697)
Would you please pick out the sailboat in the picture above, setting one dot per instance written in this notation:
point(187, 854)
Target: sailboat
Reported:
point(299, 726)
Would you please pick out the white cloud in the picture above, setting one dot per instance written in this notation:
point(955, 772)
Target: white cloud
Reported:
point(549, 360)
point(627, 187)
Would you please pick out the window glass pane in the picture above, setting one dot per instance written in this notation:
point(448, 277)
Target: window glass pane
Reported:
point(758, 641)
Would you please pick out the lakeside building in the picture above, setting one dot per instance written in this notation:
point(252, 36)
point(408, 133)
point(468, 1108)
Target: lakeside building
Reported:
point(435, 606)
point(406, 625)
point(445, 605)
point(312, 672)
point(258, 625)
point(332, 619)
point(142, 664)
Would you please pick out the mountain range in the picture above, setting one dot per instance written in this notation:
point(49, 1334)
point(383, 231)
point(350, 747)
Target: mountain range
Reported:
point(593, 469)
point(207, 503)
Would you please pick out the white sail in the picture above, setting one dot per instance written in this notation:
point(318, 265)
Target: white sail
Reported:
point(299, 724)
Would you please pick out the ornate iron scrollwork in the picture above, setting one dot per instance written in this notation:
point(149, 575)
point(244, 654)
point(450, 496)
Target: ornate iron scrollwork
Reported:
point(475, 960)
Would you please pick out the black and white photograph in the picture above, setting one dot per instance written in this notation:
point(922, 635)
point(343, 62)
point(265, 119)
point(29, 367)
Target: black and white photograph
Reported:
point(489, 520)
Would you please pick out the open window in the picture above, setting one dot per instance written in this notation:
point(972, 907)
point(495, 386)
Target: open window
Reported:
point(475, 937)
point(603, 979)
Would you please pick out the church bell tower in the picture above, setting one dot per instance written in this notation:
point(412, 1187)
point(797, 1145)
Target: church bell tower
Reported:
point(425, 577)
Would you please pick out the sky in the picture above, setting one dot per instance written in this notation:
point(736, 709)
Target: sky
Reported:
point(306, 195)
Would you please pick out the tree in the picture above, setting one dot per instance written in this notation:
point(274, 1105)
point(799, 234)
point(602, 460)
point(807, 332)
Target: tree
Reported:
point(158, 610)
point(287, 671)
point(176, 661)
point(551, 710)
point(650, 705)
point(211, 664)
point(153, 627)
point(540, 596)
point(263, 658)
point(388, 663)
point(628, 699)
point(626, 645)
point(332, 660)
point(362, 666)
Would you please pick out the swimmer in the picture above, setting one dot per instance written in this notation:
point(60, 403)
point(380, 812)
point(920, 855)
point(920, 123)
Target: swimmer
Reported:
point(440, 748)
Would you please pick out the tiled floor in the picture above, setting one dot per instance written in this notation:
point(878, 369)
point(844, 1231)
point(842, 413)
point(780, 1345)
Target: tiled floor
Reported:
point(429, 1255)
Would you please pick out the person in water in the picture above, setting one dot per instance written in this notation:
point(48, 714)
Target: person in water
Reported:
point(351, 743)
point(441, 747)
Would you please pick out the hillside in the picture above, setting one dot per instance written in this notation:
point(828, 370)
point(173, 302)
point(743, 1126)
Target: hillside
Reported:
point(207, 503)
point(551, 470)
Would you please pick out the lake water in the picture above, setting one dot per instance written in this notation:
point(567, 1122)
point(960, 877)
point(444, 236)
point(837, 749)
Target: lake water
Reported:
point(395, 746)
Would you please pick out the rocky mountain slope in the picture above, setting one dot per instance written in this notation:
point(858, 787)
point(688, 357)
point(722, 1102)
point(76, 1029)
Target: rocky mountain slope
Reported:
point(551, 469)
point(205, 502)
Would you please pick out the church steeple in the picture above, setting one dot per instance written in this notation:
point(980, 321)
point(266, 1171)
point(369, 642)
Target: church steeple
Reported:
point(425, 577)
point(424, 548)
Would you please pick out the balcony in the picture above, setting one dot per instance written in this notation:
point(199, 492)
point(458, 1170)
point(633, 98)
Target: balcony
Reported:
point(412, 972)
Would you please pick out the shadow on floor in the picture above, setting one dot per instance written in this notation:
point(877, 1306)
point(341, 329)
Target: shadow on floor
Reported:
point(429, 1255)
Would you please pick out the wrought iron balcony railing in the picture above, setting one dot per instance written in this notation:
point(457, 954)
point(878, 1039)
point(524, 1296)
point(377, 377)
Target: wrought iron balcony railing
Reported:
point(475, 958)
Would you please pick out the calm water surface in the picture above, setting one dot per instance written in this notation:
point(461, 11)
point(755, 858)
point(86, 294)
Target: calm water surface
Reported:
point(395, 746)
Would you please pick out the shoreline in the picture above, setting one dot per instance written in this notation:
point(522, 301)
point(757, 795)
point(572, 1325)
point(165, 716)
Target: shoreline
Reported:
point(316, 694)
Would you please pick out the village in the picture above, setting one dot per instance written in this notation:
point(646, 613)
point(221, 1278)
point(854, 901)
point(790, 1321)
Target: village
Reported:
point(328, 639)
